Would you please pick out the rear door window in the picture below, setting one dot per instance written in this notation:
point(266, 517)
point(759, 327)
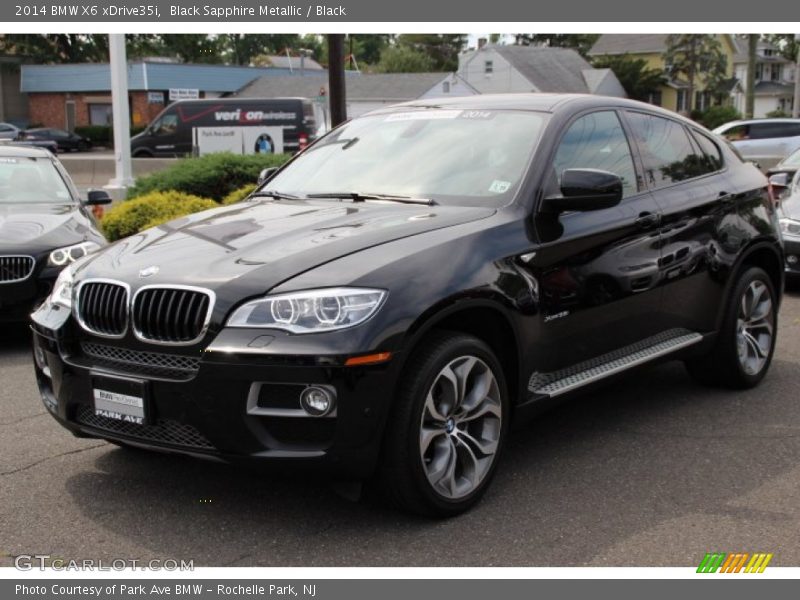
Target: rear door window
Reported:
point(710, 149)
point(763, 131)
point(667, 152)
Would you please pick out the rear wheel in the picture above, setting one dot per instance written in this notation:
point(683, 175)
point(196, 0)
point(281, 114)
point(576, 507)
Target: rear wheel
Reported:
point(447, 428)
point(746, 341)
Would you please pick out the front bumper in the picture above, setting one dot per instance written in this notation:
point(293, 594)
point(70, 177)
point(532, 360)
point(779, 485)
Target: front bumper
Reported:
point(229, 406)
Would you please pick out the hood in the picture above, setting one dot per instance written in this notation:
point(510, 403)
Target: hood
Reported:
point(250, 247)
point(31, 228)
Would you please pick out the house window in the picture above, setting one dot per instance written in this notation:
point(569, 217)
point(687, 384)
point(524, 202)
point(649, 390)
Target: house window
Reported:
point(681, 101)
point(488, 67)
point(777, 72)
point(446, 87)
point(768, 52)
point(100, 114)
point(654, 98)
point(759, 71)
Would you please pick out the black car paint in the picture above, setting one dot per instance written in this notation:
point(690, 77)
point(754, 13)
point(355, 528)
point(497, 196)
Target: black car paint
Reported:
point(544, 290)
point(35, 230)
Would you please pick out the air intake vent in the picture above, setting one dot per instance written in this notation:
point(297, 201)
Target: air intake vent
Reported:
point(103, 308)
point(15, 268)
point(171, 315)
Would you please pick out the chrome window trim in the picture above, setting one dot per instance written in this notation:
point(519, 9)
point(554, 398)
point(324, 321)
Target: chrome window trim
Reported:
point(212, 297)
point(28, 276)
point(76, 295)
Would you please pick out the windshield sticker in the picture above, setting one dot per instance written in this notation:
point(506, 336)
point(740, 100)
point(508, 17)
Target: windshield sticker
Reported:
point(8, 161)
point(499, 187)
point(423, 115)
point(477, 114)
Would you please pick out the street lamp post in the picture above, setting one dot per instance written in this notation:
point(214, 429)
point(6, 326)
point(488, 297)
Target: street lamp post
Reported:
point(121, 117)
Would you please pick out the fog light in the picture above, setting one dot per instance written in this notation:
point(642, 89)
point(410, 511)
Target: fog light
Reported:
point(317, 401)
point(791, 259)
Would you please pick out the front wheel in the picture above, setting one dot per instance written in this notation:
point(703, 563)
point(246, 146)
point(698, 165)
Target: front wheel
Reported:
point(746, 341)
point(447, 428)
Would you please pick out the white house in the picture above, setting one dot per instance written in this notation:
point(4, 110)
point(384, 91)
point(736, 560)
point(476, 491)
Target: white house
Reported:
point(774, 81)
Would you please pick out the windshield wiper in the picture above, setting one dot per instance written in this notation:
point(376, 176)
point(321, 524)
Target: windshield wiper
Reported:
point(359, 197)
point(273, 194)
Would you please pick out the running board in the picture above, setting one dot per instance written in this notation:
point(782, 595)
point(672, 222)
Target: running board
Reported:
point(560, 382)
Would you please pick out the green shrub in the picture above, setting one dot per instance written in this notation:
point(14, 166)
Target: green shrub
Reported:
point(777, 114)
point(718, 115)
point(133, 216)
point(211, 176)
point(99, 134)
point(240, 194)
point(102, 135)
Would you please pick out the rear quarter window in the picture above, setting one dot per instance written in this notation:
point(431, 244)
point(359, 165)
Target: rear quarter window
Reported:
point(710, 150)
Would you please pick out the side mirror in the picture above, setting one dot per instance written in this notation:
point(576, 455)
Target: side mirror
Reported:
point(585, 190)
point(265, 175)
point(97, 198)
point(780, 180)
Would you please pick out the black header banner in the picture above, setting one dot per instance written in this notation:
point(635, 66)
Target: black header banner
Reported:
point(360, 11)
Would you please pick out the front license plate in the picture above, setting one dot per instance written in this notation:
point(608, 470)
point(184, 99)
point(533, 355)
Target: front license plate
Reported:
point(127, 404)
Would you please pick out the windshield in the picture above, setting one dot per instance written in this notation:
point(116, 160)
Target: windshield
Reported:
point(793, 160)
point(31, 181)
point(450, 156)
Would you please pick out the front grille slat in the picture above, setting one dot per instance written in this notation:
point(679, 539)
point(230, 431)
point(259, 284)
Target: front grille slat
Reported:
point(103, 308)
point(171, 315)
point(15, 268)
point(139, 362)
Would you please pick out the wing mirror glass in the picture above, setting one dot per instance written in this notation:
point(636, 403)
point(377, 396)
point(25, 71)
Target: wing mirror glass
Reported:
point(585, 190)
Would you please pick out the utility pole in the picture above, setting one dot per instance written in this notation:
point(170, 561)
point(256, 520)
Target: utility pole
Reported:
point(750, 90)
point(336, 86)
point(121, 117)
point(796, 105)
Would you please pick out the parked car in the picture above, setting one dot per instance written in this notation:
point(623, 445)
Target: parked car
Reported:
point(277, 124)
point(65, 140)
point(44, 226)
point(789, 165)
point(789, 211)
point(9, 131)
point(388, 301)
point(765, 141)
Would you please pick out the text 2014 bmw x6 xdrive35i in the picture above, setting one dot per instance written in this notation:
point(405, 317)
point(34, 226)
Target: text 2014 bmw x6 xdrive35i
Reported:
point(387, 302)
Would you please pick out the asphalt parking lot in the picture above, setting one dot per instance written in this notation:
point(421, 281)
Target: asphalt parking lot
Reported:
point(652, 471)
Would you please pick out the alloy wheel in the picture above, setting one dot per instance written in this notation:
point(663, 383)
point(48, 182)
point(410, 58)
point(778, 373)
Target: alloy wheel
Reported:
point(755, 326)
point(460, 427)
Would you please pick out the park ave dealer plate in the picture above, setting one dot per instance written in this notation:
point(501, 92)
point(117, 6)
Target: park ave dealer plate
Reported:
point(123, 400)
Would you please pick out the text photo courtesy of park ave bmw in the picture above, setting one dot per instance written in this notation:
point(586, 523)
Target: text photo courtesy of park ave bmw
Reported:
point(285, 285)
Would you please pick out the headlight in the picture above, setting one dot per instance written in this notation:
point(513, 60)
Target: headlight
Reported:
point(69, 254)
point(310, 312)
point(62, 290)
point(790, 227)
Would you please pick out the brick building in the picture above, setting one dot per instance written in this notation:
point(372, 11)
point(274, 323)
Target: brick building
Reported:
point(75, 95)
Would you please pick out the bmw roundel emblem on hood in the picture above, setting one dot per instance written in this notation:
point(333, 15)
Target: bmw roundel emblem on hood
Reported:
point(147, 272)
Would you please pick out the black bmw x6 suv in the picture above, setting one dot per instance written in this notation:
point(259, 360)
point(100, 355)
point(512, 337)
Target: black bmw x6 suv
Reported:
point(385, 304)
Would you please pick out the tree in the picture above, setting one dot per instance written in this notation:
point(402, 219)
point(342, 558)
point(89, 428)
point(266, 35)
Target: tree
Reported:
point(694, 56)
point(404, 59)
point(582, 42)
point(367, 48)
point(192, 47)
point(57, 48)
point(786, 42)
point(239, 49)
point(441, 48)
point(750, 87)
point(635, 76)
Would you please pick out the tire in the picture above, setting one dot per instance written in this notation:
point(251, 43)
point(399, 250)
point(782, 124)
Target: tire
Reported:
point(742, 353)
point(439, 456)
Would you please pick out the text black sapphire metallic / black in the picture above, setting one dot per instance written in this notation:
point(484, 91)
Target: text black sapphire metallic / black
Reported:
point(388, 302)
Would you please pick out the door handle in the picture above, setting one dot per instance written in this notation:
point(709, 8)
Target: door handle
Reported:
point(647, 220)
